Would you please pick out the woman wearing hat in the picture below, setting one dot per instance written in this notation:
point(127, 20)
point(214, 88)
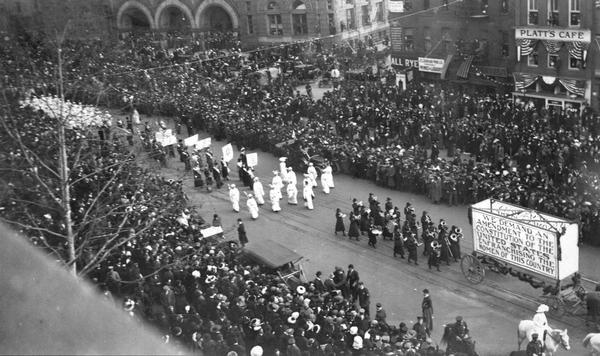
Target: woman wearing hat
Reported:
point(274, 196)
point(539, 318)
point(234, 197)
point(339, 222)
point(252, 206)
point(308, 195)
point(258, 190)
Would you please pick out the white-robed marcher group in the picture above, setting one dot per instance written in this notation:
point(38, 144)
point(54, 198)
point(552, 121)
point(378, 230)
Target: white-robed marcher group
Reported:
point(234, 197)
point(258, 190)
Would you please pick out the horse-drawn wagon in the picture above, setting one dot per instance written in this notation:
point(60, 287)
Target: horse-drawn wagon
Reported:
point(535, 247)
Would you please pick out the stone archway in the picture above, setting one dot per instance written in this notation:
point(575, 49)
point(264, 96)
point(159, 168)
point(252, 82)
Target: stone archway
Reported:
point(212, 13)
point(173, 14)
point(133, 14)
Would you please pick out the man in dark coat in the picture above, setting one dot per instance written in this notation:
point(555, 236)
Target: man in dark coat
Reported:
point(534, 347)
point(364, 298)
point(242, 233)
point(318, 282)
point(352, 279)
point(421, 329)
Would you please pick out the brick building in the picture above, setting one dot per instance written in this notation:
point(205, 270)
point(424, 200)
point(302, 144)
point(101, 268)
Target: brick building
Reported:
point(557, 52)
point(468, 41)
point(258, 22)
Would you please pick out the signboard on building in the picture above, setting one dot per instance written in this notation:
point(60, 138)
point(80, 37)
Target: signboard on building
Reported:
point(433, 65)
point(553, 34)
point(396, 5)
point(397, 38)
point(525, 238)
point(405, 62)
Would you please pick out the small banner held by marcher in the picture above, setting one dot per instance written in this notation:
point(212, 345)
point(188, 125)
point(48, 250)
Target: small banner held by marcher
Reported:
point(227, 152)
point(204, 143)
point(168, 141)
point(252, 159)
point(191, 141)
point(211, 231)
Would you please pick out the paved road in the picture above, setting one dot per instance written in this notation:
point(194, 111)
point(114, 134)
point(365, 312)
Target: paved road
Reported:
point(492, 308)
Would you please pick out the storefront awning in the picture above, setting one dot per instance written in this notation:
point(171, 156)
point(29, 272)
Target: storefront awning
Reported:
point(493, 71)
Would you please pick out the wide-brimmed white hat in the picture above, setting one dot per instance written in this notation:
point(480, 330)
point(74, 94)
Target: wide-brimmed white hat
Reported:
point(542, 308)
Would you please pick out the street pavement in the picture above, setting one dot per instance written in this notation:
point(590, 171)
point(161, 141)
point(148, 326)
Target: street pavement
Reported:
point(492, 309)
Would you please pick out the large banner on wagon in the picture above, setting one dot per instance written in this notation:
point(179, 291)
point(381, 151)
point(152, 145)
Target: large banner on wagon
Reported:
point(525, 240)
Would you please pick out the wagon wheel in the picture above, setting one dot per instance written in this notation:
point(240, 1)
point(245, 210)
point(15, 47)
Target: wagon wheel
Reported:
point(557, 306)
point(472, 268)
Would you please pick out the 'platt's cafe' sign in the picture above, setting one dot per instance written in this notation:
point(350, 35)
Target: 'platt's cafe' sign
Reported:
point(553, 34)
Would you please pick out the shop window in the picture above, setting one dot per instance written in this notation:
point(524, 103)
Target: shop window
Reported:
point(553, 15)
point(504, 48)
point(350, 21)
point(272, 6)
point(366, 21)
point(427, 39)
point(250, 24)
point(532, 11)
point(331, 19)
point(533, 59)
point(574, 63)
point(275, 25)
point(329, 5)
point(425, 4)
point(574, 13)
point(446, 40)
point(379, 11)
point(553, 60)
point(299, 23)
point(409, 39)
point(504, 6)
point(248, 7)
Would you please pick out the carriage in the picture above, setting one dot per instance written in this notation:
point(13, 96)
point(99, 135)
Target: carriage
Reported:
point(535, 247)
point(277, 259)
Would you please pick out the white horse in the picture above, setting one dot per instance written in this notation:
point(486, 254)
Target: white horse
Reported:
point(593, 341)
point(553, 340)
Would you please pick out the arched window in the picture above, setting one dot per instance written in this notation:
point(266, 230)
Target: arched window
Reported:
point(273, 6)
point(299, 5)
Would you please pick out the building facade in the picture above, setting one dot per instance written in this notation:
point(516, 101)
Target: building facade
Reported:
point(259, 22)
point(468, 41)
point(557, 52)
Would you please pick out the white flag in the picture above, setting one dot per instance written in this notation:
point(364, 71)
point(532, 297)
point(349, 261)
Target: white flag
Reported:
point(191, 141)
point(227, 152)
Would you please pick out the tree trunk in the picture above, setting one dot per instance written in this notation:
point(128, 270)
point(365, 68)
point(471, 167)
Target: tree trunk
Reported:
point(64, 174)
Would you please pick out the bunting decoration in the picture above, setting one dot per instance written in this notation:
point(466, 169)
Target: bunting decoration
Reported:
point(573, 86)
point(523, 80)
point(525, 47)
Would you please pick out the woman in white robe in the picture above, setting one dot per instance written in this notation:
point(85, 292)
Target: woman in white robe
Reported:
point(328, 174)
point(234, 197)
point(308, 195)
point(252, 207)
point(275, 196)
point(258, 190)
point(312, 174)
point(282, 167)
point(292, 194)
point(277, 183)
point(324, 183)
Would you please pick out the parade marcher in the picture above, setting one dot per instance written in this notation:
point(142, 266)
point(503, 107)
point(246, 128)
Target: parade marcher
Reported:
point(308, 195)
point(434, 255)
point(274, 197)
point(427, 310)
point(258, 190)
point(312, 174)
point(328, 173)
point(242, 237)
point(445, 252)
point(292, 193)
point(234, 197)
point(411, 245)
point(534, 347)
point(277, 183)
point(325, 184)
point(224, 169)
point(398, 242)
point(454, 239)
point(339, 222)
point(282, 168)
point(216, 172)
point(252, 206)
point(461, 333)
point(539, 318)
point(373, 233)
point(364, 220)
point(290, 176)
point(198, 180)
point(354, 229)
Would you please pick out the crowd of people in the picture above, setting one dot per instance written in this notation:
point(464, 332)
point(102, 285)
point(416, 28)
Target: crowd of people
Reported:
point(201, 294)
